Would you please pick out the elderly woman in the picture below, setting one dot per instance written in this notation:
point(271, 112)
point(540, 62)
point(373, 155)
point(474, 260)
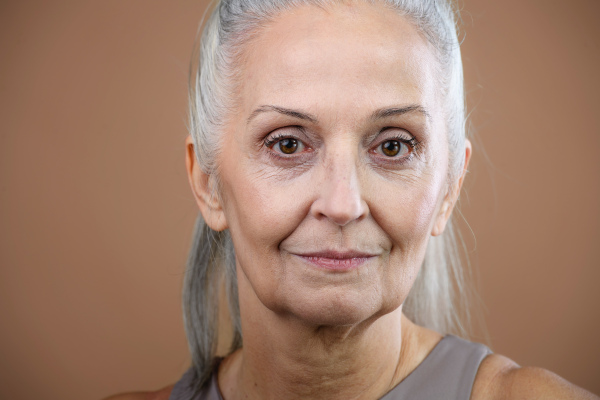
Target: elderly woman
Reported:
point(327, 152)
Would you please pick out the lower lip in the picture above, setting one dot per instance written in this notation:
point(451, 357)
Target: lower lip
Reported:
point(336, 264)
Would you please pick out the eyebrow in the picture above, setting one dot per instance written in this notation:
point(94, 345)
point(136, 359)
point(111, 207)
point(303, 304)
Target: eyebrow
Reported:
point(377, 114)
point(285, 111)
point(390, 112)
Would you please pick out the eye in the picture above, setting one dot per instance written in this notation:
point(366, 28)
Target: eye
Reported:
point(394, 148)
point(391, 148)
point(286, 145)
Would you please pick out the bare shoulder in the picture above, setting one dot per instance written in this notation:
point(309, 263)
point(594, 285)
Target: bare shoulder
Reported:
point(500, 378)
point(161, 394)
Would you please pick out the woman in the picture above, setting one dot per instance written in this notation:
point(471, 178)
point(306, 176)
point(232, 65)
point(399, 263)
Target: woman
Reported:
point(328, 149)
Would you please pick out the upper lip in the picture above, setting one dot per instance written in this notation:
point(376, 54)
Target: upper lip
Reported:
point(337, 254)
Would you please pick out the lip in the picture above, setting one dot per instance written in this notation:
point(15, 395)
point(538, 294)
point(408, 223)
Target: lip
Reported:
point(334, 260)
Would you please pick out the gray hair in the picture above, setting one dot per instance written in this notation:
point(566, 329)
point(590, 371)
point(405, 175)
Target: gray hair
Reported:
point(439, 293)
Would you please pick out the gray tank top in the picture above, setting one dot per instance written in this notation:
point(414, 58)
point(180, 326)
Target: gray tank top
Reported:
point(448, 372)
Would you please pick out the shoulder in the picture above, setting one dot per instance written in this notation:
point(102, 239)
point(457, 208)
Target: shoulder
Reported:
point(500, 378)
point(161, 394)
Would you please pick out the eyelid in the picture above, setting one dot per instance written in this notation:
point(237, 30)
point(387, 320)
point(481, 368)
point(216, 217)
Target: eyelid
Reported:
point(399, 134)
point(395, 131)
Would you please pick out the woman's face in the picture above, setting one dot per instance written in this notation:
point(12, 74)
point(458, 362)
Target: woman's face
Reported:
point(333, 168)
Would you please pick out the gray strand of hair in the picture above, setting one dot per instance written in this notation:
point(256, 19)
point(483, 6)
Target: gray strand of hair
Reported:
point(439, 297)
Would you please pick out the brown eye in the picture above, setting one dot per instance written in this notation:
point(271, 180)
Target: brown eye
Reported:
point(288, 146)
point(391, 148)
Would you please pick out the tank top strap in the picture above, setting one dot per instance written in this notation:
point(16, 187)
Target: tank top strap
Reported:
point(448, 372)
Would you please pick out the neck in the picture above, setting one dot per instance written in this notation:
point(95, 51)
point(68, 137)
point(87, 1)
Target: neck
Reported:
point(293, 360)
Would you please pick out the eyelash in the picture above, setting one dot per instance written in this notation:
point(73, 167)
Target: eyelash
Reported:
point(271, 141)
point(412, 143)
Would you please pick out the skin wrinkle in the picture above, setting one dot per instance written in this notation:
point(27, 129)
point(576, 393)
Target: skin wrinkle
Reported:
point(339, 195)
point(309, 333)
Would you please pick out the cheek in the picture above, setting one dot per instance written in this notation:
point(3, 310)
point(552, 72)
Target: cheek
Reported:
point(260, 215)
point(407, 213)
point(266, 213)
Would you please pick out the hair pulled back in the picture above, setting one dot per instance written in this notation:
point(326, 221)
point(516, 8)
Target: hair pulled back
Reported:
point(438, 296)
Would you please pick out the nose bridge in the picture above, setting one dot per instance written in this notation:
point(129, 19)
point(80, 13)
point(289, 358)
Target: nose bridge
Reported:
point(340, 197)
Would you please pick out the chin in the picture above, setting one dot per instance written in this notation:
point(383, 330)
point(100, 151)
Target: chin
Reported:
point(335, 309)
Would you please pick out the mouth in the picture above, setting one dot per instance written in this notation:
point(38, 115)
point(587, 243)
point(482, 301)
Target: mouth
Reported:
point(336, 260)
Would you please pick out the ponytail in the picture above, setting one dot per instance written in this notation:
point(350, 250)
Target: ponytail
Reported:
point(210, 252)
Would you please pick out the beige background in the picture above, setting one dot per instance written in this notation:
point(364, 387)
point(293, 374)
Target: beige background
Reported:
point(96, 215)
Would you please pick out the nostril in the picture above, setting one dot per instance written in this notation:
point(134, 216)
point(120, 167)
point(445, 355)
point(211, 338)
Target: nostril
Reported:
point(339, 206)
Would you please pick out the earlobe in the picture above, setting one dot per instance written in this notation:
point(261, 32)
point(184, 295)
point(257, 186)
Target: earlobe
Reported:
point(205, 193)
point(443, 215)
point(451, 196)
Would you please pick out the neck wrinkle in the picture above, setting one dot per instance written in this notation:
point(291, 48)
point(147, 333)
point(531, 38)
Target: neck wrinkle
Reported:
point(297, 362)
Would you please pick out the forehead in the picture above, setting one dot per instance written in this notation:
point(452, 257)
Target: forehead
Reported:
point(341, 58)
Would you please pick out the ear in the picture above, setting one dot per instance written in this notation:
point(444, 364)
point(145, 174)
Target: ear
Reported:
point(204, 191)
point(451, 196)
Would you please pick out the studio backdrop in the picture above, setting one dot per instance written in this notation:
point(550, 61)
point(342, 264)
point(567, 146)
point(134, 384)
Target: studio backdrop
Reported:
point(96, 214)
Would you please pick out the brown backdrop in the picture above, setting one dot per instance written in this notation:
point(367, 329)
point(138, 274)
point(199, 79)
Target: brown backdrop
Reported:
point(96, 215)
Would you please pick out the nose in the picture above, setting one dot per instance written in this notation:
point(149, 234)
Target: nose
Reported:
point(340, 198)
